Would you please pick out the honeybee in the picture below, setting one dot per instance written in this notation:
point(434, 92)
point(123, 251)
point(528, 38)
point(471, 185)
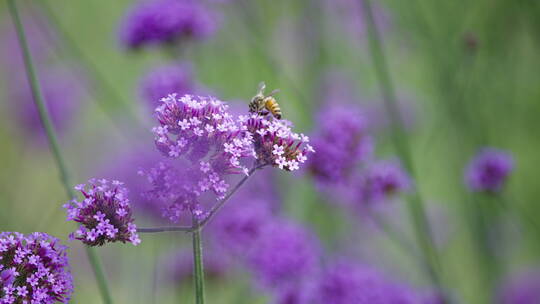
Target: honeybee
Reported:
point(264, 104)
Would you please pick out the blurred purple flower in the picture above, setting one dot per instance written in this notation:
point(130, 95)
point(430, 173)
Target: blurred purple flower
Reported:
point(275, 143)
point(157, 22)
point(39, 36)
point(286, 253)
point(104, 214)
point(344, 282)
point(351, 14)
point(523, 288)
point(489, 170)
point(205, 146)
point(62, 96)
point(341, 144)
point(127, 165)
point(241, 224)
point(382, 179)
point(165, 80)
point(33, 269)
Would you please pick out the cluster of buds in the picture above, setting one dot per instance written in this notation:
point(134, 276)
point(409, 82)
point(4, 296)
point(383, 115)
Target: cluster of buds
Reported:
point(33, 269)
point(275, 143)
point(104, 214)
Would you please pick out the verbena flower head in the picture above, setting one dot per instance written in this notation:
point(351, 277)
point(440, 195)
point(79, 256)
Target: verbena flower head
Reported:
point(382, 179)
point(275, 143)
point(164, 80)
point(489, 170)
point(157, 22)
point(344, 282)
point(104, 214)
point(285, 254)
point(33, 269)
point(342, 143)
point(523, 288)
point(204, 144)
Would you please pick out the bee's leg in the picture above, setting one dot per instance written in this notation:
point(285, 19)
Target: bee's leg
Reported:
point(264, 113)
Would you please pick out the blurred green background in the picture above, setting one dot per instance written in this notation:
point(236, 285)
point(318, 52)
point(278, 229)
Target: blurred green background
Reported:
point(470, 70)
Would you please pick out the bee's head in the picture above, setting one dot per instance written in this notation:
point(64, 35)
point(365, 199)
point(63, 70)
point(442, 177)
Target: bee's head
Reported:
point(256, 103)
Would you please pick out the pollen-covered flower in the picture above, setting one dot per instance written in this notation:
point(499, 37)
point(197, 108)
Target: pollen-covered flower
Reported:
point(275, 143)
point(488, 170)
point(164, 80)
point(104, 214)
point(286, 253)
point(157, 22)
point(341, 143)
point(33, 269)
point(381, 179)
point(204, 144)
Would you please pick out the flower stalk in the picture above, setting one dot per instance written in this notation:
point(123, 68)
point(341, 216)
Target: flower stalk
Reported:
point(53, 141)
point(415, 204)
point(198, 269)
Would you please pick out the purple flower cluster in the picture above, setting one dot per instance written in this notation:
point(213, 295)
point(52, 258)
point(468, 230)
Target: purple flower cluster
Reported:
point(285, 253)
point(165, 80)
point(157, 22)
point(341, 143)
point(104, 214)
point(206, 145)
point(488, 170)
point(345, 282)
point(275, 143)
point(380, 180)
point(241, 225)
point(33, 269)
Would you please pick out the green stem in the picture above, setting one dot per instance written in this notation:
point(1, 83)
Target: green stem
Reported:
point(101, 279)
point(415, 204)
point(198, 270)
point(51, 136)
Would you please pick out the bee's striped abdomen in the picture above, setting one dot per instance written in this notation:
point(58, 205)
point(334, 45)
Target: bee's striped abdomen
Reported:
point(273, 107)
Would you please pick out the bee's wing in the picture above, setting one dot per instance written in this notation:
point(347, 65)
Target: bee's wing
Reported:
point(262, 86)
point(273, 92)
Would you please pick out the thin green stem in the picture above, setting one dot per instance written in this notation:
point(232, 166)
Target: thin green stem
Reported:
point(198, 269)
point(51, 136)
point(101, 279)
point(415, 204)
